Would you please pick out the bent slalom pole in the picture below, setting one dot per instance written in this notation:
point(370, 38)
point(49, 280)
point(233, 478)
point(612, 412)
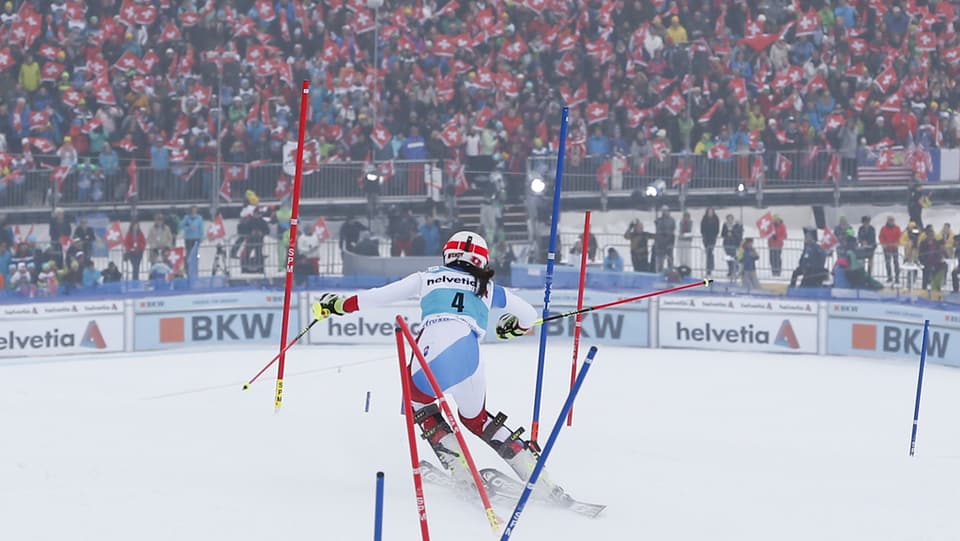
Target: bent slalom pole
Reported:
point(541, 321)
point(452, 421)
point(284, 350)
point(411, 436)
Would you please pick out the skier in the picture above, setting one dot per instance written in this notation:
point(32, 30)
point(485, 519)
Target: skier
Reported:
point(455, 301)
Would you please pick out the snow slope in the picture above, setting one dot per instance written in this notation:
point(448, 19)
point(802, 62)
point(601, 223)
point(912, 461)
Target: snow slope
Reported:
point(681, 445)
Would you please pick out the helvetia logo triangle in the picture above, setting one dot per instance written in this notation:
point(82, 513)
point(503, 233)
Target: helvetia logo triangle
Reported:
point(786, 337)
point(93, 338)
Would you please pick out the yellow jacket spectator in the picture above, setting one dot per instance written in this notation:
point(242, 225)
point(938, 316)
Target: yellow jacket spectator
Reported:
point(675, 32)
point(29, 74)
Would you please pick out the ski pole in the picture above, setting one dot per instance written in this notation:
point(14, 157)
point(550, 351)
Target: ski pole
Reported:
point(541, 321)
point(284, 350)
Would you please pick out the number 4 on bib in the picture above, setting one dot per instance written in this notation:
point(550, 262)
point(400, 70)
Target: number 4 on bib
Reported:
point(457, 302)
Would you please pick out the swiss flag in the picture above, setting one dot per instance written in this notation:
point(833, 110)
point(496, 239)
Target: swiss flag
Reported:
point(445, 89)
point(176, 259)
point(91, 125)
point(892, 104)
point(754, 139)
point(808, 24)
point(567, 65)
point(782, 137)
point(201, 94)
point(244, 27)
point(513, 51)
point(603, 173)
point(659, 150)
point(132, 190)
point(708, 114)
point(217, 230)
point(129, 61)
point(75, 11)
point(718, 152)
point(738, 87)
point(114, 236)
point(833, 122)
point(816, 83)
point(683, 173)
point(756, 172)
point(765, 225)
point(380, 135)
point(150, 61)
point(886, 80)
point(234, 173)
point(448, 9)
point(71, 97)
point(675, 103)
point(833, 168)
point(828, 241)
point(578, 97)
point(42, 144)
point(103, 93)
point(171, 32)
point(320, 229)
point(363, 21)
point(484, 79)
point(59, 175)
point(508, 85)
point(50, 71)
point(951, 55)
point(636, 116)
point(783, 166)
point(126, 144)
point(225, 191)
point(759, 42)
point(597, 112)
point(6, 58)
point(926, 41)
point(483, 118)
point(48, 52)
point(885, 158)
point(444, 46)
point(858, 47)
point(451, 136)
point(860, 100)
point(265, 10)
point(39, 120)
point(454, 170)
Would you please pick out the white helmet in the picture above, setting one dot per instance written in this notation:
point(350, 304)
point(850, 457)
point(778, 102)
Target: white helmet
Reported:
point(467, 247)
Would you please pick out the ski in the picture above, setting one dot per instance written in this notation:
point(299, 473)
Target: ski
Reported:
point(504, 489)
point(507, 486)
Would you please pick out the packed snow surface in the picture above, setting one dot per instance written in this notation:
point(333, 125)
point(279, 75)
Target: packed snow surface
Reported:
point(687, 445)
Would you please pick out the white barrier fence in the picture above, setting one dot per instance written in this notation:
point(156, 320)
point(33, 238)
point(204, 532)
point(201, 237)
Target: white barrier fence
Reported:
point(861, 328)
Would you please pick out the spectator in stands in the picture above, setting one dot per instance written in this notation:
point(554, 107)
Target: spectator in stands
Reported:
point(402, 227)
point(47, 281)
point(308, 247)
point(6, 257)
point(109, 163)
point(350, 233)
point(910, 240)
point(29, 78)
point(6, 233)
point(21, 281)
point(134, 243)
point(685, 241)
point(67, 153)
point(160, 269)
point(639, 251)
point(955, 275)
point(852, 266)
point(71, 277)
point(159, 238)
point(933, 255)
point(732, 235)
point(59, 227)
point(890, 241)
point(666, 230)
point(915, 202)
point(775, 245)
point(812, 260)
point(867, 239)
point(192, 226)
point(747, 256)
point(84, 237)
point(90, 276)
point(430, 234)
point(367, 245)
point(613, 262)
point(709, 231)
point(502, 263)
point(111, 274)
point(841, 229)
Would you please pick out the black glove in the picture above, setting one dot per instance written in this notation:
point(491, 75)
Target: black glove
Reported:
point(509, 327)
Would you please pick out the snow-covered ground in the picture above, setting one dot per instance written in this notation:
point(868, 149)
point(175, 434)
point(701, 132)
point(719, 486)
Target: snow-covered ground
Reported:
point(687, 445)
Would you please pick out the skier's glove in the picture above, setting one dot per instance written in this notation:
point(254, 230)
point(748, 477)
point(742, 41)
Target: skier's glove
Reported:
point(509, 327)
point(329, 303)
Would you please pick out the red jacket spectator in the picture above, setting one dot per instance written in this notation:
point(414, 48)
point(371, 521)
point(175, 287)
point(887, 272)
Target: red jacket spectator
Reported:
point(779, 234)
point(890, 236)
point(135, 243)
point(904, 123)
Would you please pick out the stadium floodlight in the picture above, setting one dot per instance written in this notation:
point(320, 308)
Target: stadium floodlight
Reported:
point(655, 188)
point(374, 177)
point(537, 185)
point(741, 188)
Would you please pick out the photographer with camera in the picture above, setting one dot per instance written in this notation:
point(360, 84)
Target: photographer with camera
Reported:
point(639, 253)
point(812, 262)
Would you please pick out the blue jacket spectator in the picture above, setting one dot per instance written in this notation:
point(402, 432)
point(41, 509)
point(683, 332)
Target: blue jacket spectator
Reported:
point(598, 144)
point(109, 161)
point(430, 234)
point(159, 156)
point(846, 14)
point(192, 226)
point(91, 277)
point(414, 147)
point(613, 262)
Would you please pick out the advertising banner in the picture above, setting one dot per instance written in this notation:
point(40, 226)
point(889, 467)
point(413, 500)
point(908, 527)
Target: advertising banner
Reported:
point(218, 319)
point(44, 336)
point(892, 331)
point(738, 324)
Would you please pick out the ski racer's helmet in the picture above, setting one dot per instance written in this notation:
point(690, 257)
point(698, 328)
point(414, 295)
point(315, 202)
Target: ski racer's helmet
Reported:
point(466, 247)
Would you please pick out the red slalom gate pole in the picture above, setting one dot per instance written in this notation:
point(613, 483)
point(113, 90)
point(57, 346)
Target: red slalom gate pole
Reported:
point(584, 250)
point(705, 282)
point(292, 246)
point(411, 437)
point(454, 426)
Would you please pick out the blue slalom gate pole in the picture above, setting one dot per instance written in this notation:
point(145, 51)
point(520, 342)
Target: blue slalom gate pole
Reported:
point(522, 502)
point(378, 512)
point(916, 406)
point(551, 260)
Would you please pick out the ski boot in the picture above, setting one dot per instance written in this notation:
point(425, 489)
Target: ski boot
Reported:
point(435, 429)
point(522, 456)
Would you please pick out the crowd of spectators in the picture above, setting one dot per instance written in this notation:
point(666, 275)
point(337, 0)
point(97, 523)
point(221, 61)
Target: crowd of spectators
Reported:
point(86, 83)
